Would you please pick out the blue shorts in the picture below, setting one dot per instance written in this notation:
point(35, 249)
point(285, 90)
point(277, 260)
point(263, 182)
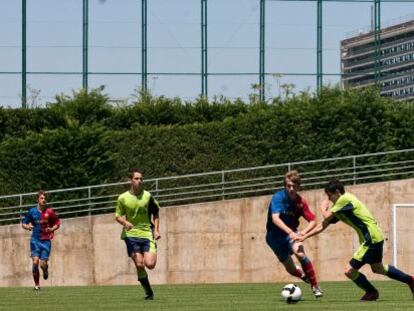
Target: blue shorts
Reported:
point(140, 245)
point(40, 248)
point(281, 245)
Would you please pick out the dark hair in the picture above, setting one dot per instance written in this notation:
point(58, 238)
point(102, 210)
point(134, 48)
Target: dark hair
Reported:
point(39, 193)
point(335, 185)
point(293, 176)
point(133, 171)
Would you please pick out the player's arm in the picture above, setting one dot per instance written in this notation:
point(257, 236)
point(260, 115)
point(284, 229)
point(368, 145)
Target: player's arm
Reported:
point(27, 222)
point(324, 208)
point(281, 225)
point(318, 228)
point(154, 209)
point(120, 216)
point(56, 222)
point(310, 218)
point(29, 226)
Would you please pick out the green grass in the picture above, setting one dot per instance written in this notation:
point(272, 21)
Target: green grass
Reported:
point(251, 297)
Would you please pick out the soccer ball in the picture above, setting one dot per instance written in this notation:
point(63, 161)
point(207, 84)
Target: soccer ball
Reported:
point(291, 293)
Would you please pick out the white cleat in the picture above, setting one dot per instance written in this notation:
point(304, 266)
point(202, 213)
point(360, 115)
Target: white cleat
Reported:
point(317, 292)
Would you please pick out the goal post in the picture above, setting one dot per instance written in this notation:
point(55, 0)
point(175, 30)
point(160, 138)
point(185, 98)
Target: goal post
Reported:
point(394, 230)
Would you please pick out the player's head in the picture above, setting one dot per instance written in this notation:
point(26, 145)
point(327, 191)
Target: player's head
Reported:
point(291, 181)
point(334, 189)
point(137, 180)
point(41, 198)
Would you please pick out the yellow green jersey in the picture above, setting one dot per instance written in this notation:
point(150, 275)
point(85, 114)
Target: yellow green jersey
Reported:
point(138, 210)
point(355, 214)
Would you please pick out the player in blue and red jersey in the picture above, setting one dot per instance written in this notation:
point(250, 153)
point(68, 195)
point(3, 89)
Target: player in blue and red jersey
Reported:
point(285, 210)
point(43, 222)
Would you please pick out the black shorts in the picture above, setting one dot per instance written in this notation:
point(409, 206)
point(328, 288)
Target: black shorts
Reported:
point(140, 245)
point(367, 254)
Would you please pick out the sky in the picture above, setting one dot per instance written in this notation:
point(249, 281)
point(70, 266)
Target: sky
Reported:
point(54, 45)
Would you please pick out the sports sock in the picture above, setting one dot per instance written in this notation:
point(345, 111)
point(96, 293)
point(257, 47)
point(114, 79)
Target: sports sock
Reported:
point(143, 279)
point(35, 272)
point(362, 282)
point(396, 274)
point(298, 273)
point(309, 271)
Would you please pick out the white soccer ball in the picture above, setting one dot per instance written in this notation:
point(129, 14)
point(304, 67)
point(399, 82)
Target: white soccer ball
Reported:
point(291, 293)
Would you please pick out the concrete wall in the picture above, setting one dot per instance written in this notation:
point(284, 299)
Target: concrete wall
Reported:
point(211, 242)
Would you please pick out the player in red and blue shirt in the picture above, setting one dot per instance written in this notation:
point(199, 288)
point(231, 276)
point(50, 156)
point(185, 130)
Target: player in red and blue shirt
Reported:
point(43, 222)
point(285, 210)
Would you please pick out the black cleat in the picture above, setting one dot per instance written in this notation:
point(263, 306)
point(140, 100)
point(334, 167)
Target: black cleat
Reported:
point(149, 297)
point(305, 279)
point(36, 288)
point(411, 285)
point(45, 274)
point(370, 296)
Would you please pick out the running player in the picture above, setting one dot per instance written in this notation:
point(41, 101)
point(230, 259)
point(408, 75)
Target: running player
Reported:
point(137, 212)
point(347, 208)
point(285, 210)
point(43, 222)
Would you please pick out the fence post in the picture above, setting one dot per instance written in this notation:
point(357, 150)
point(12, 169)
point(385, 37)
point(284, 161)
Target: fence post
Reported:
point(20, 205)
point(156, 188)
point(223, 194)
point(354, 168)
point(89, 201)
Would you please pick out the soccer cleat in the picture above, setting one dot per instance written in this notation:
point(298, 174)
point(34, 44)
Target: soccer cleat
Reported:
point(305, 279)
point(36, 288)
point(45, 274)
point(370, 296)
point(149, 297)
point(317, 291)
point(411, 285)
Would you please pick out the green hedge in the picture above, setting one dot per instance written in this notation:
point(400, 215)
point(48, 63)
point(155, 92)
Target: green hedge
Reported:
point(98, 143)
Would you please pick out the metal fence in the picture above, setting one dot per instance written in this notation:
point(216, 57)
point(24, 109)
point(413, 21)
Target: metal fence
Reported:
point(272, 55)
point(219, 185)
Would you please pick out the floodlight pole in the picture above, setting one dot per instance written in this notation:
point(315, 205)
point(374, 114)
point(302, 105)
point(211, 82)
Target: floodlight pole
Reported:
point(85, 45)
point(144, 72)
point(262, 51)
point(24, 82)
point(377, 39)
point(204, 90)
point(319, 72)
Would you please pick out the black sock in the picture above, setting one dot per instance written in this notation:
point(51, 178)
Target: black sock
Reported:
point(363, 283)
point(146, 285)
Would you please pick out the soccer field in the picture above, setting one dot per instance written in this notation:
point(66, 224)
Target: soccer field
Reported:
point(338, 296)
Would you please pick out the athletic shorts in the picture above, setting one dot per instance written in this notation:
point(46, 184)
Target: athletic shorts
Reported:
point(40, 248)
point(281, 245)
point(140, 245)
point(367, 253)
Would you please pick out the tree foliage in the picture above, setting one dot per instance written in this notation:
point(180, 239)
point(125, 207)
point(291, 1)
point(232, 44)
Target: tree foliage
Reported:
point(82, 139)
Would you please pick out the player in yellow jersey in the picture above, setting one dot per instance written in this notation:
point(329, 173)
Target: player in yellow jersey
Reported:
point(137, 211)
point(348, 209)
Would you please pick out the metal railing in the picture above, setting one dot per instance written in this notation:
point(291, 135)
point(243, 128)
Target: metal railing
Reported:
point(219, 185)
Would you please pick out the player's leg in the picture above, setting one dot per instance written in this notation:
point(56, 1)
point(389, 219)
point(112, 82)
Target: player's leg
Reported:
point(357, 261)
point(394, 273)
point(35, 272)
point(374, 258)
point(35, 254)
point(139, 261)
point(44, 265)
point(307, 267)
point(135, 252)
point(150, 254)
point(283, 251)
point(149, 248)
point(46, 248)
